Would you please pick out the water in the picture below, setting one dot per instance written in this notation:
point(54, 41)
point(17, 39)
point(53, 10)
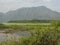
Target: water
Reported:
point(17, 35)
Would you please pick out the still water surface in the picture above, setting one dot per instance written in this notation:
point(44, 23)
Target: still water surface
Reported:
point(4, 36)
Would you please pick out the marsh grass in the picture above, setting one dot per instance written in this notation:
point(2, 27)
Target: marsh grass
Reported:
point(43, 35)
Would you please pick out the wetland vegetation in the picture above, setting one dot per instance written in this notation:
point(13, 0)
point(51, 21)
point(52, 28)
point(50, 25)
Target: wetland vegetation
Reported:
point(38, 34)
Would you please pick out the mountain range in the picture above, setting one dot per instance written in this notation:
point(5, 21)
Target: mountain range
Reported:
point(29, 13)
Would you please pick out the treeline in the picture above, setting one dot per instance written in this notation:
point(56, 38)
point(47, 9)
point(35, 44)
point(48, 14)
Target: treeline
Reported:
point(3, 26)
point(30, 21)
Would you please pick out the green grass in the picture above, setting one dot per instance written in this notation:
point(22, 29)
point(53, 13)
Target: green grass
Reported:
point(39, 37)
point(43, 35)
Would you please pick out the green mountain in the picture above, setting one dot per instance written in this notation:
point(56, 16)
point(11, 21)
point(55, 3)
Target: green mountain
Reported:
point(29, 13)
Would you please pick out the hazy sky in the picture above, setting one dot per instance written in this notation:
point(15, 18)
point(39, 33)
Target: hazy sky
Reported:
point(7, 5)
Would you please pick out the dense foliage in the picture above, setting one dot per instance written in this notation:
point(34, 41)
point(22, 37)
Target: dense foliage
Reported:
point(39, 37)
point(30, 21)
point(2, 26)
point(43, 35)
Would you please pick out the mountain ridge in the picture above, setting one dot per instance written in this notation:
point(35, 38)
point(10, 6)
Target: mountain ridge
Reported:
point(29, 13)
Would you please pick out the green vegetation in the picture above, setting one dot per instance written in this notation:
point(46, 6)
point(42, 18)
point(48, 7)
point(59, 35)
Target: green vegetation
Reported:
point(43, 35)
point(30, 21)
point(2, 26)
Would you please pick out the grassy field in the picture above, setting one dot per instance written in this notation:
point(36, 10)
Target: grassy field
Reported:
point(44, 34)
point(27, 23)
point(13, 27)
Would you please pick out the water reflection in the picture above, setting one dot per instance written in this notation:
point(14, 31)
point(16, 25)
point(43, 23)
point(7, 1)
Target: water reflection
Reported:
point(4, 36)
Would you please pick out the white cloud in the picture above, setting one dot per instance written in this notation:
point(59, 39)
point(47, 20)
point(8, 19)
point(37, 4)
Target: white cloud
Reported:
point(6, 5)
point(47, 0)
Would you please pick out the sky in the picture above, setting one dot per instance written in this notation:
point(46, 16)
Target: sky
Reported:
point(8, 5)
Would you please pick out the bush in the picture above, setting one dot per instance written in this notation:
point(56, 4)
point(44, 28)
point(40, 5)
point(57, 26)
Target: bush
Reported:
point(39, 37)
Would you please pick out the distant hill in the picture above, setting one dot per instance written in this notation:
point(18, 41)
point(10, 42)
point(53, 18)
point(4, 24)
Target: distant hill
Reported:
point(29, 13)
